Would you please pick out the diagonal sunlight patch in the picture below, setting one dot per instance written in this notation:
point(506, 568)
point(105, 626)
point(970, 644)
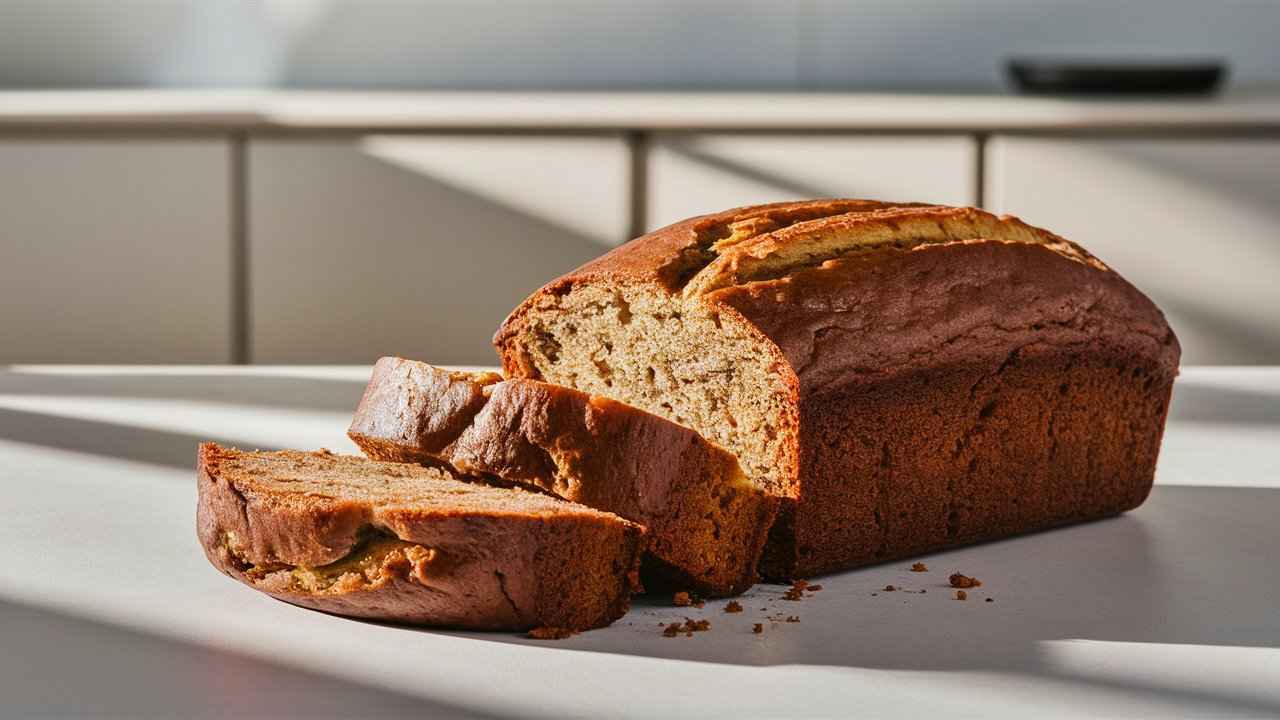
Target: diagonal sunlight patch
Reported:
point(1223, 412)
point(1224, 679)
point(578, 184)
point(254, 427)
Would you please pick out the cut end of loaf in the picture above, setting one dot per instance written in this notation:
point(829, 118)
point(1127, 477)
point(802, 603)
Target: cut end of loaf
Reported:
point(694, 364)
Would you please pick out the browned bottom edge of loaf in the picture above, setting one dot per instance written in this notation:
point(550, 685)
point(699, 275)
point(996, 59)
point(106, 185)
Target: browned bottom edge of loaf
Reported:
point(935, 459)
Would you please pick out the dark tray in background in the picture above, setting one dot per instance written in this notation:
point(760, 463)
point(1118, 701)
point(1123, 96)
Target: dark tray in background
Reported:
point(1045, 76)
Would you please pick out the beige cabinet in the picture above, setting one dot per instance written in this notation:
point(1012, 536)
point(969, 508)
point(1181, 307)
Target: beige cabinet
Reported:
point(1195, 223)
point(115, 250)
point(418, 245)
point(694, 173)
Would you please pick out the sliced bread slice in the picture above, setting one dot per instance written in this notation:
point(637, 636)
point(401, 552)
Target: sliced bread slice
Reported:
point(410, 544)
point(707, 523)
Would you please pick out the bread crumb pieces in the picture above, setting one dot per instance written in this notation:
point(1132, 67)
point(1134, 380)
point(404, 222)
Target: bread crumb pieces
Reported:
point(687, 628)
point(757, 628)
point(793, 618)
point(550, 633)
point(889, 588)
point(796, 591)
point(964, 581)
point(733, 607)
point(813, 588)
point(919, 567)
point(681, 599)
point(962, 595)
point(990, 600)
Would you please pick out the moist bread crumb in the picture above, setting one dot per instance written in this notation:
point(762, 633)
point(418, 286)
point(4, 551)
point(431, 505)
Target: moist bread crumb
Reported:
point(919, 567)
point(733, 607)
point(959, 580)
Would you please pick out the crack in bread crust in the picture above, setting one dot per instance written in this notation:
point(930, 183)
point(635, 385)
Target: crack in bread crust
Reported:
point(777, 253)
point(718, 233)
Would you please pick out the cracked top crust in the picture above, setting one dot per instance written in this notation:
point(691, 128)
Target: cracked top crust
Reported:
point(410, 544)
point(882, 286)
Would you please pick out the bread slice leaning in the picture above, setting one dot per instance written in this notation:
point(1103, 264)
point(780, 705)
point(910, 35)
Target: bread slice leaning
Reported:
point(410, 544)
point(707, 522)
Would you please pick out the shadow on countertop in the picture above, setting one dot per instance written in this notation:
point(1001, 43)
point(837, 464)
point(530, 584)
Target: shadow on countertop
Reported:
point(110, 665)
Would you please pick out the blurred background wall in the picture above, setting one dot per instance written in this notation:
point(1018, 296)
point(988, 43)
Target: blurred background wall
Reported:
point(155, 245)
point(607, 44)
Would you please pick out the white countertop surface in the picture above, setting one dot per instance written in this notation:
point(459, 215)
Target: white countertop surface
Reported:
point(343, 110)
point(108, 607)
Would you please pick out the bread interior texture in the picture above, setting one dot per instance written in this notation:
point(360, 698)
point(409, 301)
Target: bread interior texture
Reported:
point(678, 359)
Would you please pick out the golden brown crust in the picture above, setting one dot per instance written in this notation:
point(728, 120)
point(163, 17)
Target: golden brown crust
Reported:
point(389, 542)
point(866, 307)
point(707, 523)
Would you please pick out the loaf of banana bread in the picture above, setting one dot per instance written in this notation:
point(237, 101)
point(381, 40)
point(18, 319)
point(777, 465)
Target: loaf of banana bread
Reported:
point(904, 377)
point(409, 544)
point(706, 522)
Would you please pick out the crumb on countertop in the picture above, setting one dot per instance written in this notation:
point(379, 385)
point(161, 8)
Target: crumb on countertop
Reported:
point(796, 591)
point(733, 607)
point(757, 628)
point(919, 567)
point(550, 633)
point(959, 580)
point(793, 618)
point(889, 588)
point(962, 595)
point(813, 588)
point(687, 628)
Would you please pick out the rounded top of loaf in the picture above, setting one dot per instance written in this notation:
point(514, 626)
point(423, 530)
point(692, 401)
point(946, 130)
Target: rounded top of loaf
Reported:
point(697, 256)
